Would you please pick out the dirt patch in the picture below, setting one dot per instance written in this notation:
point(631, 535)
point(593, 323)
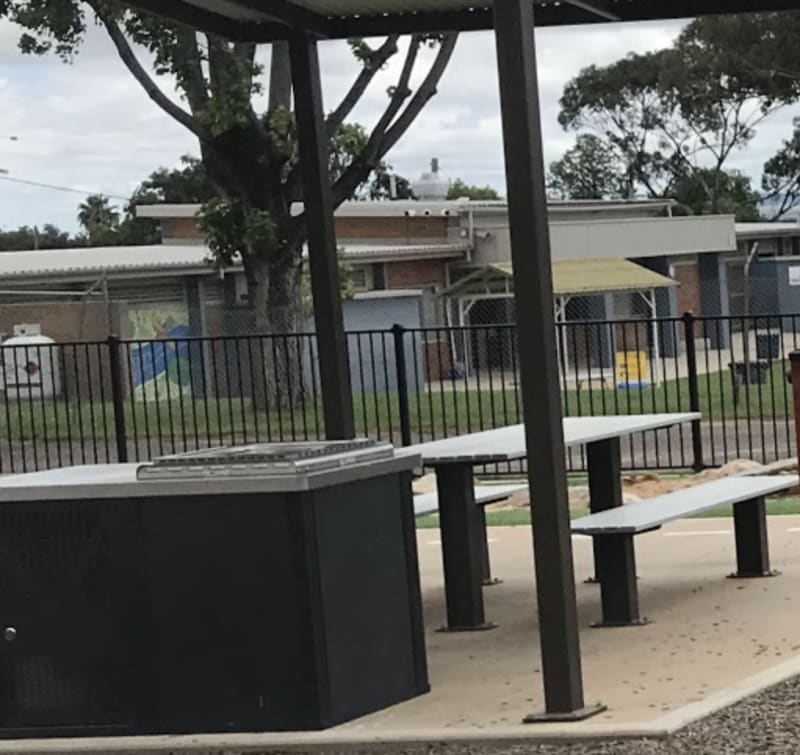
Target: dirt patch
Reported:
point(638, 487)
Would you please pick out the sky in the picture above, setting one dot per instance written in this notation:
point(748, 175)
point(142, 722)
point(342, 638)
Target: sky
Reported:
point(88, 125)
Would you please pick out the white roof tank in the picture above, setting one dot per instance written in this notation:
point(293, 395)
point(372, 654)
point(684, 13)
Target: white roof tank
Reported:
point(29, 365)
point(431, 186)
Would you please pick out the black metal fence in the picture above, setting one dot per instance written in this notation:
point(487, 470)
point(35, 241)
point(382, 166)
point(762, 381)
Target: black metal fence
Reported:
point(116, 401)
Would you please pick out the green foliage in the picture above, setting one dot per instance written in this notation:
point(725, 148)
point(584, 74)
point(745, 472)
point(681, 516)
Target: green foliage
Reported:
point(230, 227)
point(380, 187)
point(781, 178)
point(735, 192)
point(187, 184)
point(683, 111)
point(99, 219)
point(461, 190)
point(592, 169)
point(48, 236)
point(347, 144)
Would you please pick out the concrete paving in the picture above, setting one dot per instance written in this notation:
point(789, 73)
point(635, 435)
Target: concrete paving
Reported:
point(706, 631)
point(711, 641)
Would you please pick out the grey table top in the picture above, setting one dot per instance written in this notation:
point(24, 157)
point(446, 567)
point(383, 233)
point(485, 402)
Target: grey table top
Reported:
point(508, 443)
point(107, 481)
point(644, 515)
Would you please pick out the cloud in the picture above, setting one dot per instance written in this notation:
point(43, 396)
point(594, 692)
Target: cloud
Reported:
point(89, 125)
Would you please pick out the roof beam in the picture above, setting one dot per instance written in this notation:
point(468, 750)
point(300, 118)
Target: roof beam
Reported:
point(201, 19)
point(288, 13)
point(599, 8)
point(469, 19)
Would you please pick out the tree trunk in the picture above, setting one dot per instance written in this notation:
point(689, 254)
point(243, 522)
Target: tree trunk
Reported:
point(275, 294)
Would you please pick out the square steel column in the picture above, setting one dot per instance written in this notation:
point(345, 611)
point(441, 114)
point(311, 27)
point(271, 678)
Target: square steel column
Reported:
point(533, 284)
point(337, 395)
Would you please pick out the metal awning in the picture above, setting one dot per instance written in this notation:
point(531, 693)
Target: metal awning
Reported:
point(258, 20)
point(570, 278)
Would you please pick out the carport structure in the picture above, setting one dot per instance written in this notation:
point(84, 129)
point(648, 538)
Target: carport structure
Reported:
point(571, 279)
point(304, 23)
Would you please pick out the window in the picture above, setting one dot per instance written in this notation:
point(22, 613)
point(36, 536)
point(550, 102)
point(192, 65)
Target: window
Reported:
point(360, 278)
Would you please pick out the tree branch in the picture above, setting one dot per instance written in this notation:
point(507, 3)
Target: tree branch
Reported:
point(358, 171)
point(194, 83)
point(424, 93)
point(376, 61)
point(150, 87)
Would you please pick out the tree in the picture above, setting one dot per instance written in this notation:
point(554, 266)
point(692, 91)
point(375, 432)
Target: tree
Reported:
point(461, 190)
point(781, 179)
point(100, 219)
point(592, 169)
point(683, 111)
point(187, 184)
point(736, 195)
point(249, 155)
point(26, 238)
point(380, 188)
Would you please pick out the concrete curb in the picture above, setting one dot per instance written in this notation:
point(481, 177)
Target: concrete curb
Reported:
point(350, 741)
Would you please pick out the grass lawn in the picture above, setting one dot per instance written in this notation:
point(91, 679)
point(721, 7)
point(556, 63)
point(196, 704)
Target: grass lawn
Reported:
point(775, 507)
point(444, 407)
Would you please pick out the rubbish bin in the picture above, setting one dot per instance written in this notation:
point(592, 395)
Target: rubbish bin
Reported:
point(758, 371)
point(768, 345)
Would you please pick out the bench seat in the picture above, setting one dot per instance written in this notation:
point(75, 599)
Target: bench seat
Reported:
point(646, 515)
point(614, 529)
point(428, 503)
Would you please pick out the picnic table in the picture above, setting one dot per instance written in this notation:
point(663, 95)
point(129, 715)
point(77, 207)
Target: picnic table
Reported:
point(462, 523)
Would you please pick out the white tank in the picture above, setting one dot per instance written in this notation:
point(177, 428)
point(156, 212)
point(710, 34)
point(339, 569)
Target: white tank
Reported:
point(431, 186)
point(30, 367)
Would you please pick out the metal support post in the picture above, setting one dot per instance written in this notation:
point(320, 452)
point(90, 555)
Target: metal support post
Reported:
point(462, 554)
point(604, 465)
point(619, 595)
point(533, 282)
point(694, 391)
point(337, 395)
point(752, 549)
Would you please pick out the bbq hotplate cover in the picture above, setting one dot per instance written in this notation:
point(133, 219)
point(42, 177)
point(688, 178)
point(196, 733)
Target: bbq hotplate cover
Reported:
point(266, 459)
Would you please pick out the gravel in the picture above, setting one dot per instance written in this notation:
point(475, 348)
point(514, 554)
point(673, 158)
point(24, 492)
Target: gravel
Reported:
point(765, 723)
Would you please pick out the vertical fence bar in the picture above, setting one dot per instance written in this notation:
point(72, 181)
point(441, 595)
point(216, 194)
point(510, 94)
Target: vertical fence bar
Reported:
point(694, 391)
point(118, 399)
point(794, 359)
point(398, 333)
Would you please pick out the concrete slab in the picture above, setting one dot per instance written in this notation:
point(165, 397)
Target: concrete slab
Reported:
point(711, 641)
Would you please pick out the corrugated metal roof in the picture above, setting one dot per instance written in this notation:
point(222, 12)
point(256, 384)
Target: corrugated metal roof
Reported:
point(168, 258)
point(584, 276)
point(766, 230)
point(372, 252)
point(342, 18)
point(98, 260)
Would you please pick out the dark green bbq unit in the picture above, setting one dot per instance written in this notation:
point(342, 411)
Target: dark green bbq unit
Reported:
point(260, 588)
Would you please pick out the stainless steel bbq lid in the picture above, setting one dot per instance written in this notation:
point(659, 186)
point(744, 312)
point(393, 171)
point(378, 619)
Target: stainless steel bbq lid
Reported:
point(265, 459)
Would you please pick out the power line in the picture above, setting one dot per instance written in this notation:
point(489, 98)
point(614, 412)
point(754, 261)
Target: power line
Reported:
point(54, 187)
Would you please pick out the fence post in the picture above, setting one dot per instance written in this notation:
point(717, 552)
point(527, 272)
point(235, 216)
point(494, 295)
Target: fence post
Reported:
point(794, 379)
point(117, 398)
point(694, 390)
point(398, 332)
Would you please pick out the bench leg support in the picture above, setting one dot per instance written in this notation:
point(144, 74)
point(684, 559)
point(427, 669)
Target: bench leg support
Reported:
point(618, 591)
point(462, 530)
point(604, 465)
point(752, 549)
point(483, 544)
